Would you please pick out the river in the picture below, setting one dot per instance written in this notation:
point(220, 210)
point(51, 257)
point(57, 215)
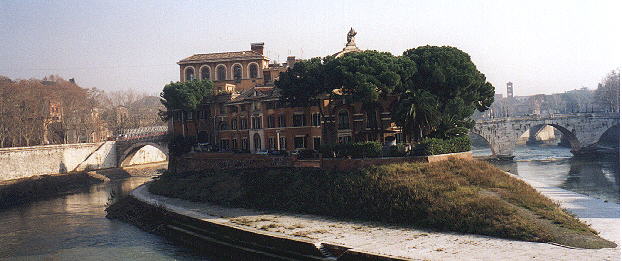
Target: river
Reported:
point(75, 227)
point(555, 166)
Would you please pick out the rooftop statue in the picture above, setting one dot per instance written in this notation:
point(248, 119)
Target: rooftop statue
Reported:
point(351, 35)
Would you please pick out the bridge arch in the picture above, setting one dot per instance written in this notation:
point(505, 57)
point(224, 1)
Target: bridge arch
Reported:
point(128, 154)
point(575, 144)
point(612, 134)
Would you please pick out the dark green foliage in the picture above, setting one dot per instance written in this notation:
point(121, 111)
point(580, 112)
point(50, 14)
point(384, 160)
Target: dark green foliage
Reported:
point(367, 76)
point(455, 195)
point(179, 144)
point(185, 95)
point(398, 150)
point(435, 146)
point(448, 74)
point(370, 149)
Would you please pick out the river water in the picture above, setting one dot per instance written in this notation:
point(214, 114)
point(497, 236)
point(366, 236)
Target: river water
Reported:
point(75, 227)
point(555, 166)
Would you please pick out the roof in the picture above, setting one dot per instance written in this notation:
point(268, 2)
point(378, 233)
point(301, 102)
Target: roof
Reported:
point(241, 55)
point(256, 93)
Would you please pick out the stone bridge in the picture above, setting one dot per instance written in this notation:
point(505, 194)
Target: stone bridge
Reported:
point(129, 142)
point(581, 130)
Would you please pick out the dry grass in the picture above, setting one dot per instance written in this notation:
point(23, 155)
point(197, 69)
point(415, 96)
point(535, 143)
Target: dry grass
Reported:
point(456, 195)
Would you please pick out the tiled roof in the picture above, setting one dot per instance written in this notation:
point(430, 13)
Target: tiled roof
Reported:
point(257, 93)
point(222, 56)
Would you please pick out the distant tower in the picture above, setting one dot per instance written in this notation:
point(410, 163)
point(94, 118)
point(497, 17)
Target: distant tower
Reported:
point(510, 86)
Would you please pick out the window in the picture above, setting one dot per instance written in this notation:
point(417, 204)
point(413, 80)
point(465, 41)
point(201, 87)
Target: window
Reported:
point(299, 142)
point(257, 142)
point(221, 72)
point(256, 122)
point(245, 144)
point(243, 124)
point(299, 120)
point(283, 143)
point(270, 121)
point(252, 71)
point(234, 143)
point(233, 108)
point(344, 120)
point(271, 143)
point(372, 122)
point(222, 109)
point(267, 77)
point(189, 73)
point(224, 144)
point(316, 119)
point(234, 124)
point(223, 125)
point(190, 115)
point(345, 139)
point(205, 73)
point(237, 73)
point(282, 122)
point(317, 142)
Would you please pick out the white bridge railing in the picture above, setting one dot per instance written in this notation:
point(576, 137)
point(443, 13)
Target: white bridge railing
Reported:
point(142, 132)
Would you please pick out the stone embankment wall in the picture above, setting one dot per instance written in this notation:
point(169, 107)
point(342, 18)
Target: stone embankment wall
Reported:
point(207, 161)
point(349, 164)
point(23, 162)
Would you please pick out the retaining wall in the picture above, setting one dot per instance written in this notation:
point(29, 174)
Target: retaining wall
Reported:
point(349, 164)
point(22, 162)
point(207, 161)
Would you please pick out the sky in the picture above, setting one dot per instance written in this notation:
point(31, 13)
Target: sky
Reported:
point(540, 46)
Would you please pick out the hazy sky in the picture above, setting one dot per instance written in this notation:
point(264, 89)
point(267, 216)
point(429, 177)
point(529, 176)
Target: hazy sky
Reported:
point(541, 46)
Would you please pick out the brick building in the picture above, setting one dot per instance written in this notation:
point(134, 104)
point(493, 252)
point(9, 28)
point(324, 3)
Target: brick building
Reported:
point(247, 114)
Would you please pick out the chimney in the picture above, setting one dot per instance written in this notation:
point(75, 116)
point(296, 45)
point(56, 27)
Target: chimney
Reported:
point(257, 47)
point(291, 60)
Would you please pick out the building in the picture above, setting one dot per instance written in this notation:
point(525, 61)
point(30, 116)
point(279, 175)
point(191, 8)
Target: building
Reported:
point(248, 114)
point(510, 89)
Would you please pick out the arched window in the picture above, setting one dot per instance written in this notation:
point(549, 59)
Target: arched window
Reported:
point(205, 73)
point(252, 71)
point(344, 120)
point(189, 74)
point(237, 73)
point(222, 73)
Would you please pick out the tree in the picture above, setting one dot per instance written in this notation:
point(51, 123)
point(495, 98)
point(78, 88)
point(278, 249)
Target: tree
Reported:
point(355, 77)
point(185, 96)
point(448, 74)
point(417, 112)
point(608, 92)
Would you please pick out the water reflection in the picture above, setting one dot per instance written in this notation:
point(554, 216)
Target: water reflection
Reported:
point(74, 227)
point(556, 166)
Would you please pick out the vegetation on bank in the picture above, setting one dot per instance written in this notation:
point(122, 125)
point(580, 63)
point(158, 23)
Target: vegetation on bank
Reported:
point(24, 190)
point(456, 195)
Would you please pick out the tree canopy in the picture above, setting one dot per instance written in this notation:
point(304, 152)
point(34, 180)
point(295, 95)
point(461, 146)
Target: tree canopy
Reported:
point(449, 74)
point(608, 92)
point(185, 95)
point(438, 88)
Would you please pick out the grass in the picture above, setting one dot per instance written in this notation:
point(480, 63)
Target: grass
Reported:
point(456, 195)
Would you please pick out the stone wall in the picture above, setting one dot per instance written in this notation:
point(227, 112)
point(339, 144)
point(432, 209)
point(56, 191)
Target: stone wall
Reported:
point(22, 162)
point(349, 164)
point(207, 161)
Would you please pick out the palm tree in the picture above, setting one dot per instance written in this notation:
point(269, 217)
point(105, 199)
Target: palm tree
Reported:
point(417, 113)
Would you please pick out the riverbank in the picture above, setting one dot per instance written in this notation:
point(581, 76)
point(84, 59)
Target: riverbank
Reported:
point(406, 243)
point(24, 190)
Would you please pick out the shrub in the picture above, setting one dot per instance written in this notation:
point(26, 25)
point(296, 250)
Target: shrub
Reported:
point(398, 150)
point(370, 149)
point(434, 146)
point(179, 145)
